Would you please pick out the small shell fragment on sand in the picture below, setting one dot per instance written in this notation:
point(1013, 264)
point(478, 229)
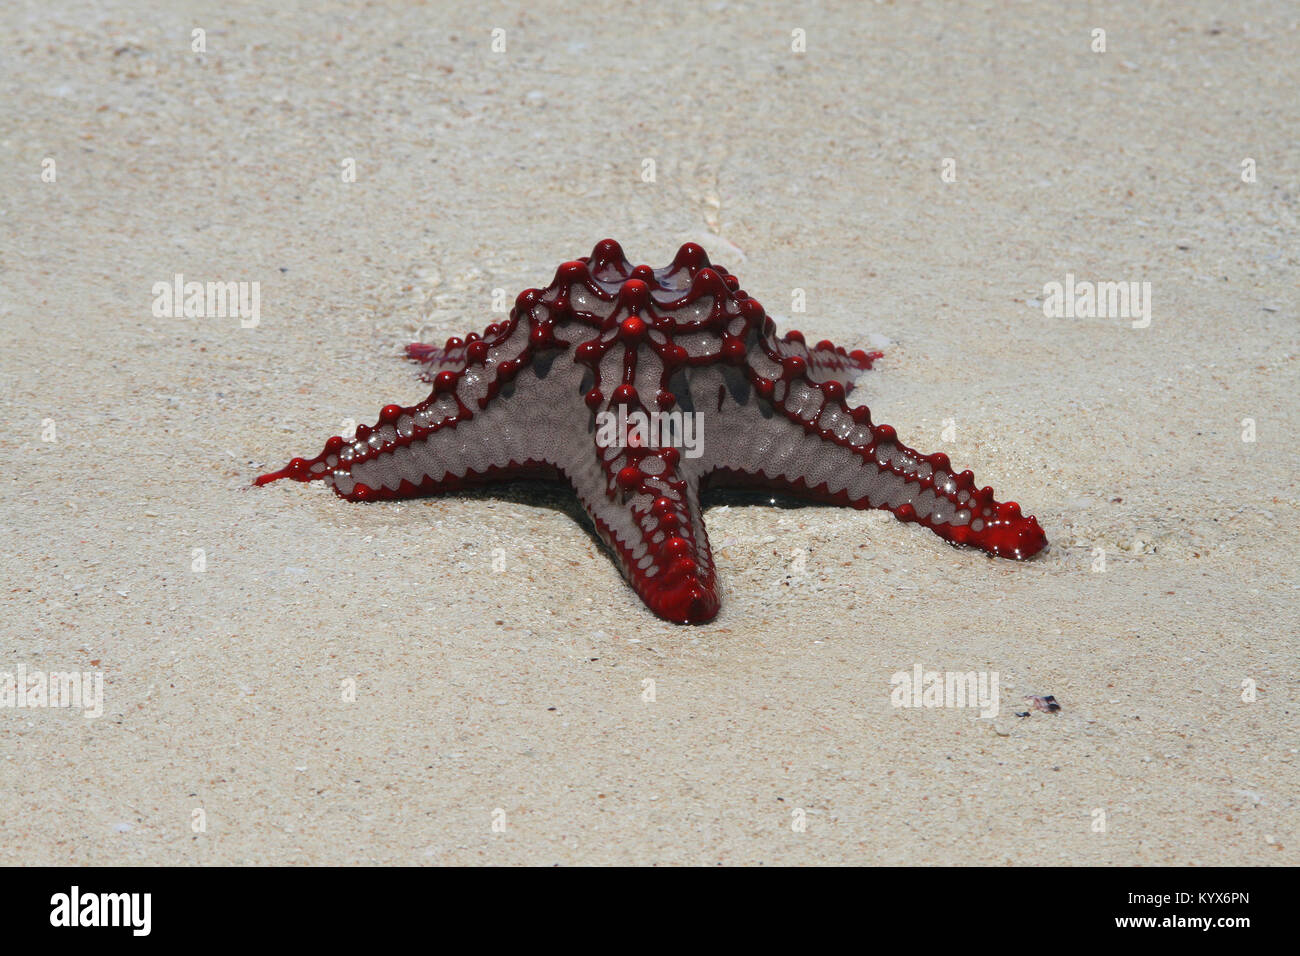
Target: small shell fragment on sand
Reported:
point(1046, 703)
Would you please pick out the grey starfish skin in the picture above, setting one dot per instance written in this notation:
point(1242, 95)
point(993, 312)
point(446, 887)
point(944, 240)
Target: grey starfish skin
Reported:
point(525, 400)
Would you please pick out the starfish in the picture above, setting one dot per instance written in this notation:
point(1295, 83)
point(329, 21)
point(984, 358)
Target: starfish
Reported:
point(608, 378)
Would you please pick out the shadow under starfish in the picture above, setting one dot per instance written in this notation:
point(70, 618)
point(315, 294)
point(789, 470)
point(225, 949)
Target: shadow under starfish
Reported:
point(607, 342)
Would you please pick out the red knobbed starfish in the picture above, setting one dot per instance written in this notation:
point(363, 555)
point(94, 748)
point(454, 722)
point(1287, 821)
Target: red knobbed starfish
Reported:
point(533, 396)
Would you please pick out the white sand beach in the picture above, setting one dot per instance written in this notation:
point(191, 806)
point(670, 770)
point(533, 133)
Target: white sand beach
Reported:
point(289, 678)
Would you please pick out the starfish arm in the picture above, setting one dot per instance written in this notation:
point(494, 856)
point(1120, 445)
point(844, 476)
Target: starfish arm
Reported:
point(486, 418)
point(434, 359)
point(645, 505)
point(803, 439)
point(825, 361)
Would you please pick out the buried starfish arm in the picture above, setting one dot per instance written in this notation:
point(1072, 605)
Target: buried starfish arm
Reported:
point(825, 361)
